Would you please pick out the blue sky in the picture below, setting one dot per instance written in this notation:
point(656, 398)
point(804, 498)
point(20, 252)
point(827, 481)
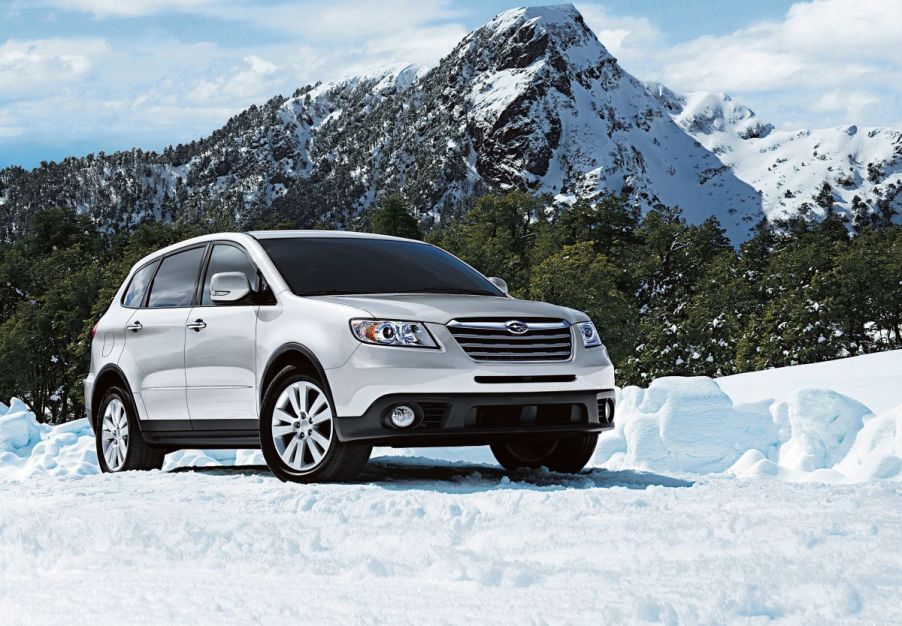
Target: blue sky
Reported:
point(79, 76)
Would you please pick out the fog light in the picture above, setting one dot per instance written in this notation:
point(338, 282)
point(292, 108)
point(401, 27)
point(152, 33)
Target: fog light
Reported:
point(403, 416)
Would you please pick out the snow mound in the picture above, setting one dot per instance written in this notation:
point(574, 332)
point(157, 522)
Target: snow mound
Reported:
point(28, 448)
point(683, 425)
point(823, 424)
point(18, 429)
point(689, 425)
point(877, 450)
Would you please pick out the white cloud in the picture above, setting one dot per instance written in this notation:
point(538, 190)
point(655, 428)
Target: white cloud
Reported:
point(29, 66)
point(252, 78)
point(127, 8)
point(869, 29)
point(827, 62)
point(850, 103)
point(71, 90)
point(620, 34)
point(345, 20)
point(819, 43)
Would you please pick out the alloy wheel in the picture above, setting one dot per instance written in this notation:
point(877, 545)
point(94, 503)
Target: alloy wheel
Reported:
point(302, 428)
point(114, 434)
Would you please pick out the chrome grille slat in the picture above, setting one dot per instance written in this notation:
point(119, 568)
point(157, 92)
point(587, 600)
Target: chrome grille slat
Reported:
point(520, 346)
point(539, 336)
point(529, 355)
point(487, 340)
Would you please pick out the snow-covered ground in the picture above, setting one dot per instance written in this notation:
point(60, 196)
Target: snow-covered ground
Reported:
point(873, 379)
point(777, 501)
point(446, 544)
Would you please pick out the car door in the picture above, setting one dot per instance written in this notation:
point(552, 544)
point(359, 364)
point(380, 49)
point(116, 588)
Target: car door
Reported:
point(220, 349)
point(154, 352)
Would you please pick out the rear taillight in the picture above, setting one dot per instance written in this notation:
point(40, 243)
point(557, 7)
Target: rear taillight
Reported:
point(94, 330)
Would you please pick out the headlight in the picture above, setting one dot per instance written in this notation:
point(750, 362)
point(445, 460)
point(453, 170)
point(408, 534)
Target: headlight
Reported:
point(393, 333)
point(589, 334)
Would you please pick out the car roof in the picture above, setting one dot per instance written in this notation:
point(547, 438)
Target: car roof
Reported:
point(296, 234)
point(247, 237)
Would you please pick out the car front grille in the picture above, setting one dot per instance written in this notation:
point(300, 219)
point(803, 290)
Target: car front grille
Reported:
point(509, 416)
point(541, 339)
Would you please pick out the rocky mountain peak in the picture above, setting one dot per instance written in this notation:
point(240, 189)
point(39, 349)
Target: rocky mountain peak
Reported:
point(523, 36)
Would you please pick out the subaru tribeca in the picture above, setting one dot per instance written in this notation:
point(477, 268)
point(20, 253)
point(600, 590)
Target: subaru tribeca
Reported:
point(315, 346)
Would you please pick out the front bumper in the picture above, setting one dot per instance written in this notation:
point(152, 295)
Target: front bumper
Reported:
point(481, 418)
point(374, 372)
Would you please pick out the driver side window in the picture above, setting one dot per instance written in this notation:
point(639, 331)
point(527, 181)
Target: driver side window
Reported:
point(226, 258)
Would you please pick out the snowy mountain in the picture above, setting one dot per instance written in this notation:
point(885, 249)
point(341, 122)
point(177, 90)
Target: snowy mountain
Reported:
point(790, 168)
point(531, 100)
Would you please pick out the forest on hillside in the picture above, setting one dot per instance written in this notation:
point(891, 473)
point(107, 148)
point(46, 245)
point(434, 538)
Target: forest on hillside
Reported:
point(668, 297)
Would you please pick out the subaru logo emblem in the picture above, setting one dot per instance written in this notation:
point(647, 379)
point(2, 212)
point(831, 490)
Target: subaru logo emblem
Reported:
point(516, 327)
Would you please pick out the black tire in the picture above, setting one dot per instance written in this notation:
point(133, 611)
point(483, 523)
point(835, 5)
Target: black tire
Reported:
point(139, 456)
point(341, 461)
point(568, 455)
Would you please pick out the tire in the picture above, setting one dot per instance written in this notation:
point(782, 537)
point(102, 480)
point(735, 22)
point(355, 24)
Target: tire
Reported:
point(568, 455)
point(297, 432)
point(120, 446)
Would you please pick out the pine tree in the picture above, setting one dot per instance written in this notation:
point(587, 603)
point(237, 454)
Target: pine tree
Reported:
point(497, 236)
point(861, 213)
point(580, 278)
point(824, 197)
point(393, 217)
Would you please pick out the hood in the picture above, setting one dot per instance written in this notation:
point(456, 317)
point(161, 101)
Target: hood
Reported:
point(441, 309)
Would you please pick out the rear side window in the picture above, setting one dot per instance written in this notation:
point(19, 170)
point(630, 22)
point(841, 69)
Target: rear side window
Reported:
point(226, 258)
point(134, 295)
point(176, 279)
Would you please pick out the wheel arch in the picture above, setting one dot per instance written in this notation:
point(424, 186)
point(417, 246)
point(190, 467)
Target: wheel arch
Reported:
point(109, 376)
point(299, 356)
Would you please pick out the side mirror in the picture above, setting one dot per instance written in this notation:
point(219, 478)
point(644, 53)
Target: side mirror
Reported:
point(500, 283)
point(227, 287)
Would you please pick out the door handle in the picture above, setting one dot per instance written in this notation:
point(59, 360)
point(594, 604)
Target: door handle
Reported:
point(197, 325)
point(134, 326)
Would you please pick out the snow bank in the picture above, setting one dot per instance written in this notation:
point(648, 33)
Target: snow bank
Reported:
point(675, 426)
point(28, 448)
point(877, 450)
point(683, 425)
point(689, 425)
point(822, 426)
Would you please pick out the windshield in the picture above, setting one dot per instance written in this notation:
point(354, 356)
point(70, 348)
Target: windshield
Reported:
point(315, 266)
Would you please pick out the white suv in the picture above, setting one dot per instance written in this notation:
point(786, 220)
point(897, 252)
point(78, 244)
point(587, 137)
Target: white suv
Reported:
point(316, 346)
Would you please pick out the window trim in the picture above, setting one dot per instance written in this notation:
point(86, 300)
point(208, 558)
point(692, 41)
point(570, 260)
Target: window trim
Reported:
point(145, 304)
point(147, 289)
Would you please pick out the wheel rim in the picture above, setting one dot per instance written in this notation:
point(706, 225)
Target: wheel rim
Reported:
point(531, 451)
point(302, 426)
point(114, 434)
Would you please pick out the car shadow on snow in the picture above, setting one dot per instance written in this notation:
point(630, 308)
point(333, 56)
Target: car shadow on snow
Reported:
point(412, 473)
point(462, 477)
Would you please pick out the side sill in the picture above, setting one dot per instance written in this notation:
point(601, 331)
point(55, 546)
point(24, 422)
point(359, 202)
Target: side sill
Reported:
point(213, 434)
